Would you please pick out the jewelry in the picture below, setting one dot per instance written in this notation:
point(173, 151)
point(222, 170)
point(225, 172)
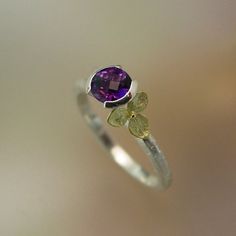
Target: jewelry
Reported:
point(116, 90)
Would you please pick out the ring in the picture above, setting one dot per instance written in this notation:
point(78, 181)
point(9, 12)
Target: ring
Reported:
point(113, 87)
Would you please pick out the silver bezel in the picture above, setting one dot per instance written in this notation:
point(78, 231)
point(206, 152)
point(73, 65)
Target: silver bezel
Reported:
point(119, 102)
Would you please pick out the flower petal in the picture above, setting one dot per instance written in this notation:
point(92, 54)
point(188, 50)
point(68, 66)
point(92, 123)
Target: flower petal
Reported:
point(139, 103)
point(138, 126)
point(118, 117)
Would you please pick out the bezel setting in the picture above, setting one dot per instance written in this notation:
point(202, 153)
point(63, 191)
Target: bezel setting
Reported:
point(119, 102)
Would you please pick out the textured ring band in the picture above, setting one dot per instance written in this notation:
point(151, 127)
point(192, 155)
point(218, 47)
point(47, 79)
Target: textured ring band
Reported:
point(115, 89)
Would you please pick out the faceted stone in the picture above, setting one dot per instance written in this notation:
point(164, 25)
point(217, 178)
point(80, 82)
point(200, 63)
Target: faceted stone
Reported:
point(138, 126)
point(139, 103)
point(118, 117)
point(110, 84)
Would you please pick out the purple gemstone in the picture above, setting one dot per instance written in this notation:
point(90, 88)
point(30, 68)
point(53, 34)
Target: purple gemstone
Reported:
point(110, 84)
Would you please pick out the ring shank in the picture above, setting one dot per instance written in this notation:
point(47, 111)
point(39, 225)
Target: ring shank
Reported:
point(161, 179)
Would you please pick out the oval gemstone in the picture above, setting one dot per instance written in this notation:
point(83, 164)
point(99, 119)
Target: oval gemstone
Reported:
point(110, 84)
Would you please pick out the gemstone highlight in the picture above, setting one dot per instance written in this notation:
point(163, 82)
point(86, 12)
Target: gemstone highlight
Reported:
point(110, 84)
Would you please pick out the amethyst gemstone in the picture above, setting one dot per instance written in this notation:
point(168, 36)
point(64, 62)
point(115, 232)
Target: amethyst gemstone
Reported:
point(110, 84)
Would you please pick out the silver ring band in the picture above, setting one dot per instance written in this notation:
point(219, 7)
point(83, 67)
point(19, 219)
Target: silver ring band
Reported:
point(160, 179)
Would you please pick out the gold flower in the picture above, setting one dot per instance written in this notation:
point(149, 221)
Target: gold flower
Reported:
point(137, 123)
